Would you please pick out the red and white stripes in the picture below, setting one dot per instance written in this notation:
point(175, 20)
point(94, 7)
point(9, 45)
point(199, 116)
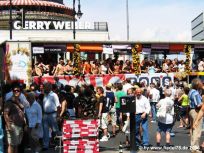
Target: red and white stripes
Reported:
point(32, 3)
point(80, 136)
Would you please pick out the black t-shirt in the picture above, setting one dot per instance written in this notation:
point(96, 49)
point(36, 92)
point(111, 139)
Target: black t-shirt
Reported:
point(108, 101)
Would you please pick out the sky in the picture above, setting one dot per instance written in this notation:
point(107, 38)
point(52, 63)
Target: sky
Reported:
point(149, 20)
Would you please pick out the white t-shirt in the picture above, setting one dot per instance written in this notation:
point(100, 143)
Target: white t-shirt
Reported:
point(167, 105)
point(155, 95)
point(142, 105)
point(51, 102)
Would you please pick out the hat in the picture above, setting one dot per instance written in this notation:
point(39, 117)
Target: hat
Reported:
point(109, 85)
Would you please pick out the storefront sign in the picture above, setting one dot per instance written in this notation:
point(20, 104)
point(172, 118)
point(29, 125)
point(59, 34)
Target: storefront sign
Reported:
point(38, 50)
point(56, 25)
point(55, 48)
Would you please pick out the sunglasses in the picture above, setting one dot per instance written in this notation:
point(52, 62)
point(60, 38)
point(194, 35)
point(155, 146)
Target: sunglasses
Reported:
point(16, 90)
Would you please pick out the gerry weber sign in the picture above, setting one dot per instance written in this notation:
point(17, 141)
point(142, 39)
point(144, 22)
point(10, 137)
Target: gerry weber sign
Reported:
point(54, 25)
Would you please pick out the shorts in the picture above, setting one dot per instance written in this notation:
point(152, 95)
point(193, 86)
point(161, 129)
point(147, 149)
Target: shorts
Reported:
point(113, 118)
point(164, 127)
point(104, 120)
point(15, 135)
point(184, 111)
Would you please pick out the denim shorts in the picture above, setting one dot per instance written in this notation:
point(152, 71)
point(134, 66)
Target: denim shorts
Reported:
point(164, 127)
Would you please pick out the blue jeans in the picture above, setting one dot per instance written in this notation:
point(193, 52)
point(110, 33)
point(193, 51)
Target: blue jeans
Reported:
point(49, 121)
point(1, 136)
point(153, 110)
point(144, 123)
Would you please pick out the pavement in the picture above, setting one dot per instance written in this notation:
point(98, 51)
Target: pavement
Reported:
point(180, 142)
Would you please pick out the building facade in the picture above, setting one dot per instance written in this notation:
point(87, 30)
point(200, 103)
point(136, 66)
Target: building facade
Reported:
point(197, 28)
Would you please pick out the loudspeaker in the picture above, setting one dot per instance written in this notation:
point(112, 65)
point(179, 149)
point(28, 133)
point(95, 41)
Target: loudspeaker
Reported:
point(127, 104)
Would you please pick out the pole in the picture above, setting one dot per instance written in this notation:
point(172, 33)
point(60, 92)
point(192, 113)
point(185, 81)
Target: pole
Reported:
point(127, 19)
point(10, 20)
point(132, 133)
point(74, 28)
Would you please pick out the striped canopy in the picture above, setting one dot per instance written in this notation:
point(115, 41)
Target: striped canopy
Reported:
point(32, 3)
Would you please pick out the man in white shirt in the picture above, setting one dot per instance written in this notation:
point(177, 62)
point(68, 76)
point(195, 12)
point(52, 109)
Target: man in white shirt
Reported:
point(34, 115)
point(50, 107)
point(127, 85)
point(165, 117)
point(154, 97)
point(141, 117)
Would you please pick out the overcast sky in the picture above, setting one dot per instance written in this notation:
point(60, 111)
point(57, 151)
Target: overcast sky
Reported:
point(157, 20)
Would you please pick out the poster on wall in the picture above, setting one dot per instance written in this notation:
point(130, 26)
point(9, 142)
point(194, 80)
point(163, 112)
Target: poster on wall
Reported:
point(18, 62)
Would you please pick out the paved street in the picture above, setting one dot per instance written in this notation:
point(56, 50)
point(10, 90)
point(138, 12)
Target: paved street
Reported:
point(180, 142)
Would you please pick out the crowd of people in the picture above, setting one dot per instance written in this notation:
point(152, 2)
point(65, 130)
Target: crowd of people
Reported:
point(115, 66)
point(35, 115)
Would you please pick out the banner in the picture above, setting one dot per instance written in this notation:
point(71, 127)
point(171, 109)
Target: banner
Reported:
point(102, 80)
point(17, 63)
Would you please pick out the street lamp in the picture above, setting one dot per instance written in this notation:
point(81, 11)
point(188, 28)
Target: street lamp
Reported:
point(79, 15)
point(10, 20)
point(76, 55)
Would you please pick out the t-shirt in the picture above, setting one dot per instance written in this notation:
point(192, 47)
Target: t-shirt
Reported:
point(195, 98)
point(166, 105)
point(185, 100)
point(15, 112)
point(118, 95)
point(106, 104)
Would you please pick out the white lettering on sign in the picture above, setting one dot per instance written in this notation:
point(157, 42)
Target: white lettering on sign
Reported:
point(40, 25)
point(32, 25)
point(47, 24)
point(57, 25)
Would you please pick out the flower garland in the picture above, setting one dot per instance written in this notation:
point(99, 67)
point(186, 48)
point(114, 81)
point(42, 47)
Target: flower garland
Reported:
point(136, 50)
point(76, 59)
point(187, 50)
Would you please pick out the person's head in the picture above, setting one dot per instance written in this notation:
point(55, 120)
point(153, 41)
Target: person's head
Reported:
point(186, 90)
point(16, 89)
point(130, 91)
point(100, 90)
point(67, 88)
point(196, 84)
point(61, 61)
point(138, 92)
point(47, 87)
point(32, 87)
point(152, 85)
point(167, 93)
point(109, 86)
point(119, 86)
point(31, 97)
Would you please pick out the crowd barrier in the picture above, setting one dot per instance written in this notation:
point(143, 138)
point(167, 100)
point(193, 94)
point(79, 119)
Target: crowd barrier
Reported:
point(80, 136)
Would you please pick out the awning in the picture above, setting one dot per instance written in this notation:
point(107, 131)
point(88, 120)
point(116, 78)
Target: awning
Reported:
point(97, 48)
point(32, 3)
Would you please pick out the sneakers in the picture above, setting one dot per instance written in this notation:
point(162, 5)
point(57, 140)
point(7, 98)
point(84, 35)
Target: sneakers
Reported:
point(172, 134)
point(153, 121)
point(104, 138)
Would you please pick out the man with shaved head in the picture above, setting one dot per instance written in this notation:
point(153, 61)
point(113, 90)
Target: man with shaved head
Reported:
point(141, 117)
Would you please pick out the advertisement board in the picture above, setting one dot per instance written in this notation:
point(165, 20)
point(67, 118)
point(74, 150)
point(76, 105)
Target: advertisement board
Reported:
point(17, 62)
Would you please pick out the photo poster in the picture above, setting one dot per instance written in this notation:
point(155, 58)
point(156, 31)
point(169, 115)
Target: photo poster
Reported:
point(18, 65)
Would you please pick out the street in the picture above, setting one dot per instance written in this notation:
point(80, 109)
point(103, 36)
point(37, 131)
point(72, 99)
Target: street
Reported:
point(180, 142)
